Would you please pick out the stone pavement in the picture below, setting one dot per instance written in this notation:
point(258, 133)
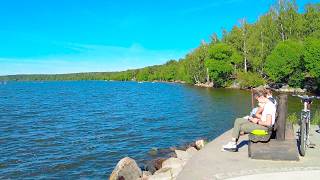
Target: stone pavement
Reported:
point(212, 163)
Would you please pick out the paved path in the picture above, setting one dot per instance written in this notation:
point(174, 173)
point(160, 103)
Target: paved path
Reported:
point(292, 175)
point(211, 163)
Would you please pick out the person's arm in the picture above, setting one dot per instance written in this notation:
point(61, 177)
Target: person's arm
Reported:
point(259, 113)
point(268, 121)
point(254, 120)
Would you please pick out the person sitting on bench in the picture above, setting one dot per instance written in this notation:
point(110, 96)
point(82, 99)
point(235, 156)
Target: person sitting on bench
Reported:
point(247, 125)
point(268, 91)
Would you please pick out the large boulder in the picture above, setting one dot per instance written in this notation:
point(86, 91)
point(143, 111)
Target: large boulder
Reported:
point(154, 165)
point(145, 175)
point(191, 150)
point(183, 155)
point(172, 163)
point(175, 164)
point(162, 174)
point(200, 144)
point(175, 172)
point(166, 173)
point(127, 169)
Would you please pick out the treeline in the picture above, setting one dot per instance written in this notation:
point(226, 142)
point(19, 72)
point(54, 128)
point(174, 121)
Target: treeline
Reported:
point(282, 46)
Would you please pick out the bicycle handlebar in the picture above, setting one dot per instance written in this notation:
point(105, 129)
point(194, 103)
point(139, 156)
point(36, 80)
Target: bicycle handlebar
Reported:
point(306, 96)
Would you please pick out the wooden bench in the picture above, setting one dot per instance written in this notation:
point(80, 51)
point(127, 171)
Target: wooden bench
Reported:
point(275, 145)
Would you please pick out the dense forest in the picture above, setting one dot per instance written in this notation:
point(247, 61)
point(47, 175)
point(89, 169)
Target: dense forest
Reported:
point(281, 47)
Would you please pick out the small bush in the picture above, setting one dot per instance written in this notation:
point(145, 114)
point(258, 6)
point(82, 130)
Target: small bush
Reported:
point(316, 118)
point(293, 118)
point(250, 79)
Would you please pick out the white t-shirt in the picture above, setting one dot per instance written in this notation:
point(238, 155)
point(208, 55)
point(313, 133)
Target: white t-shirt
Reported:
point(269, 109)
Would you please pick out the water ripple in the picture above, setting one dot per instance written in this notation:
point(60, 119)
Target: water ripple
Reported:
point(75, 130)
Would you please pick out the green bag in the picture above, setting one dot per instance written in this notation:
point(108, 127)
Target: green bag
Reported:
point(259, 132)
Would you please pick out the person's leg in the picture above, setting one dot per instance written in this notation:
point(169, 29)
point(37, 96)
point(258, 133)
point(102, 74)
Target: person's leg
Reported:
point(237, 128)
point(232, 145)
point(250, 126)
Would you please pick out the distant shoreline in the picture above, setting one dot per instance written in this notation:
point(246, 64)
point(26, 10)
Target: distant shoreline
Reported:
point(284, 89)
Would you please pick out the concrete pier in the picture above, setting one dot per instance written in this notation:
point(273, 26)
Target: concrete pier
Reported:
point(212, 163)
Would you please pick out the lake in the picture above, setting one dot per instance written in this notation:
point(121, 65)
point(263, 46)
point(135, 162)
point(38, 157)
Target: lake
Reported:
point(81, 129)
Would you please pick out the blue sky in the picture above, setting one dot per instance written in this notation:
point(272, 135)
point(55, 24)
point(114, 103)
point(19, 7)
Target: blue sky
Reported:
point(64, 36)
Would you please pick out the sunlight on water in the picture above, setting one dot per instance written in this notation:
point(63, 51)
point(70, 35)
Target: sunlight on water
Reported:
point(82, 129)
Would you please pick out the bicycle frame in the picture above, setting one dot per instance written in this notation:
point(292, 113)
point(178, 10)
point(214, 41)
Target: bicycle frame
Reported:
point(304, 123)
point(305, 118)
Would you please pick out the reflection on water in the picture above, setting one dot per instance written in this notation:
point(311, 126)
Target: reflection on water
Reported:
point(82, 129)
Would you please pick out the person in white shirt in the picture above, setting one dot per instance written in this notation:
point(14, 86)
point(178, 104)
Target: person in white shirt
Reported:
point(266, 120)
point(268, 91)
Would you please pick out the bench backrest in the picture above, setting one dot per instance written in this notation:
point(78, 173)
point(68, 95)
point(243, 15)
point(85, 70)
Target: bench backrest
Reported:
point(275, 126)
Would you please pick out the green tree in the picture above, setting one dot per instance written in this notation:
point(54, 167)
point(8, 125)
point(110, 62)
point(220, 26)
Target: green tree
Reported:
point(312, 19)
point(221, 58)
point(249, 79)
point(263, 37)
point(284, 61)
point(194, 64)
point(312, 57)
point(288, 20)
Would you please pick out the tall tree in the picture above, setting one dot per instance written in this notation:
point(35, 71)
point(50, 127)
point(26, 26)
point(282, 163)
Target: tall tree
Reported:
point(221, 58)
point(285, 64)
point(312, 19)
point(312, 57)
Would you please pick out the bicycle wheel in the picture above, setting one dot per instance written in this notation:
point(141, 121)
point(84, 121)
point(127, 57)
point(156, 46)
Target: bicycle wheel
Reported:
point(302, 147)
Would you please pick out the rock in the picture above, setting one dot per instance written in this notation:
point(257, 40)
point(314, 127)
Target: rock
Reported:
point(126, 168)
point(154, 165)
point(162, 174)
point(153, 151)
point(172, 163)
point(158, 163)
point(163, 170)
point(150, 167)
point(207, 84)
point(192, 151)
point(146, 173)
point(175, 171)
point(200, 144)
point(183, 155)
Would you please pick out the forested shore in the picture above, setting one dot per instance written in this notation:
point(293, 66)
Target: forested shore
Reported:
point(281, 47)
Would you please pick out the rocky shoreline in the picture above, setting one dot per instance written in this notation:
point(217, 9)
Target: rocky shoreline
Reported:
point(161, 169)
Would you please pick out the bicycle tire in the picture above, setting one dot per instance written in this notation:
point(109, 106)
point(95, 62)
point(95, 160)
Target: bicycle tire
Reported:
point(302, 147)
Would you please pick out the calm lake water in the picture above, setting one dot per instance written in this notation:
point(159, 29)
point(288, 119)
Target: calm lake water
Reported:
point(82, 129)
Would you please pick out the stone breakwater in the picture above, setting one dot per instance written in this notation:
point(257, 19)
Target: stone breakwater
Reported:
point(166, 169)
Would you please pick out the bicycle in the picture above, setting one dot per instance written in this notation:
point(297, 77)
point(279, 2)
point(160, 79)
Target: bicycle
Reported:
point(305, 118)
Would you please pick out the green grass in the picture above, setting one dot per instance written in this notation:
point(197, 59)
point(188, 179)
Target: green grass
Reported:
point(316, 118)
point(293, 118)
